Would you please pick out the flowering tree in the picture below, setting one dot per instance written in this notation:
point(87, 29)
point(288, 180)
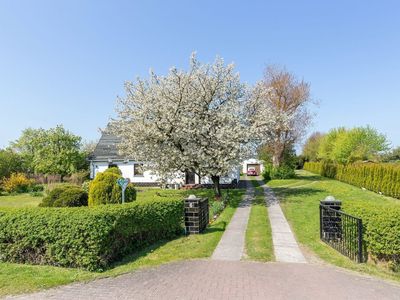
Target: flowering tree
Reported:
point(278, 111)
point(185, 121)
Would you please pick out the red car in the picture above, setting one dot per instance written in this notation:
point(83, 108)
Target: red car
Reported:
point(252, 172)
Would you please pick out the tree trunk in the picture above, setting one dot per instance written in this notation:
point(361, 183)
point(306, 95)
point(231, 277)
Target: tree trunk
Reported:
point(217, 188)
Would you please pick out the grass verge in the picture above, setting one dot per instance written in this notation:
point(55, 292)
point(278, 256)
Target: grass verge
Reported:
point(300, 203)
point(259, 245)
point(19, 278)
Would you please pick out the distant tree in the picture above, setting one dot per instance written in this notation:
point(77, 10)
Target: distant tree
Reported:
point(52, 151)
point(311, 146)
point(10, 162)
point(349, 145)
point(185, 121)
point(278, 111)
point(392, 156)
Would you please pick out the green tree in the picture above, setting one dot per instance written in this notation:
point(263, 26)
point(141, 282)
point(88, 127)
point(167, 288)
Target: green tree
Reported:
point(10, 162)
point(392, 156)
point(349, 145)
point(52, 151)
point(311, 146)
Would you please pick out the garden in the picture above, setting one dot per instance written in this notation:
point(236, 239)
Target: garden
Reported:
point(300, 198)
point(83, 232)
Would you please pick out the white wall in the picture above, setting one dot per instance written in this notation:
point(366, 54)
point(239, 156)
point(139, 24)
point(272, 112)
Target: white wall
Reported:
point(127, 169)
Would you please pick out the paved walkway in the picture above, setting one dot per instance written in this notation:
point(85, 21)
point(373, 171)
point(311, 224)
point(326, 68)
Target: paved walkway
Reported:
point(286, 248)
point(231, 245)
point(212, 279)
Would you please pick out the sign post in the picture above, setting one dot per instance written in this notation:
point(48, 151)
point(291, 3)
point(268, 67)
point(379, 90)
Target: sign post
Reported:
point(123, 183)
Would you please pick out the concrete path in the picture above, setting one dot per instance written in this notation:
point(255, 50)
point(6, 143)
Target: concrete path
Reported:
point(212, 279)
point(286, 248)
point(231, 245)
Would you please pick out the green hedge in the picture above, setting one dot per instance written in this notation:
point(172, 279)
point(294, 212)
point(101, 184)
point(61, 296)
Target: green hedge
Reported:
point(82, 237)
point(380, 178)
point(381, 231)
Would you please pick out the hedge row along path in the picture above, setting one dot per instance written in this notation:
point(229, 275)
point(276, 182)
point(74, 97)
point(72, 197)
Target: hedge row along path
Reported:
point(232, 279)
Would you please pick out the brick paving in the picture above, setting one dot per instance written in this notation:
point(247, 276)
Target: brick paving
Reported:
point(213, 279)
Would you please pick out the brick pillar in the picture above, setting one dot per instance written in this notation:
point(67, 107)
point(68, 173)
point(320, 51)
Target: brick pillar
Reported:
point(331, 221)
point(196, 214)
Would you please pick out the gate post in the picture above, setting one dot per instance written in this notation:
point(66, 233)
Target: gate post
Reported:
point(330, 221)
point(196, 214)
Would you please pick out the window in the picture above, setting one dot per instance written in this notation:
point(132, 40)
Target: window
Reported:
point(138, 170)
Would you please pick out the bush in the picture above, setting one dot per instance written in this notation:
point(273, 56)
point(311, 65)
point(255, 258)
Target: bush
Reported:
point(82, 237)
point(380, 178)
point(17, 183)
point(217, 207)
point(282, 172)
point(104, 189)
point(113, 170)
point(85, 185)
point(36, 194)
point(381, 231)
point(65, 195)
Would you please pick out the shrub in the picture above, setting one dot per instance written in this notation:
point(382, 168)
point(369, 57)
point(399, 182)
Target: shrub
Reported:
point(36, 194)
point(72, 197)
point(17, 183)
point(282, 172)
point(90, 238)
point(104, 189)
point(380, 178)
point(65, 195)
point(113, 170)
point(217, 207)
point(85, 185)
point(381, 231)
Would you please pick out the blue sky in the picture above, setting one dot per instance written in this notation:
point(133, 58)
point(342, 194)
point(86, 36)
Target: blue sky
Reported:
point(65, 62)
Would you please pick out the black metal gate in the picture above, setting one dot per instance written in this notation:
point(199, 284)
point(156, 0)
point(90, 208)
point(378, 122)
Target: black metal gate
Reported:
point(342, 231)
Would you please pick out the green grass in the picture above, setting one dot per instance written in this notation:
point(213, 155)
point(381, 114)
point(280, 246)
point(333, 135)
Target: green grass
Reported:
point(259, 245)
point(19, 278)
point(300, 203)
point(19, 200)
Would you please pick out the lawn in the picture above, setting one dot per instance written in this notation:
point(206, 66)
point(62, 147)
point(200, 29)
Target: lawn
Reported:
point(19, 200)
point(19, 278)
point(300, 203)
point(259, 245)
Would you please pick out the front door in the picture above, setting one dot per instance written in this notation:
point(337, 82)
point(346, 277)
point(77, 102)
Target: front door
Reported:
point(190, 177)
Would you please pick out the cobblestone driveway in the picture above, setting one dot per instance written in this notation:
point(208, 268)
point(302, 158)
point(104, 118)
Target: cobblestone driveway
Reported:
point(208, 279)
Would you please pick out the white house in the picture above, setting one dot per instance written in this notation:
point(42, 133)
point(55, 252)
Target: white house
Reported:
point(106, 155)
point(254, 164)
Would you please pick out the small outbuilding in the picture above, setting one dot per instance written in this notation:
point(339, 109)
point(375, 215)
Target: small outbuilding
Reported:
point(253, 164)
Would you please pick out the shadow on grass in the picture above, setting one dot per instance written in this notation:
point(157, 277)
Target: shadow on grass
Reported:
point(282, 193)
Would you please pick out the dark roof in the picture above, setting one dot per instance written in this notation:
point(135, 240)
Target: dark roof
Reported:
point(107, 147)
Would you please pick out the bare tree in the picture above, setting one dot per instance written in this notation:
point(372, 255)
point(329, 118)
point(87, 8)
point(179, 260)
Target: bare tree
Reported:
point(279, 112)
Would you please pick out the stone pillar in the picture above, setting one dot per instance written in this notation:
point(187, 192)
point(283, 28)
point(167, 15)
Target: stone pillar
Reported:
point(330, 219)
point(196, 214)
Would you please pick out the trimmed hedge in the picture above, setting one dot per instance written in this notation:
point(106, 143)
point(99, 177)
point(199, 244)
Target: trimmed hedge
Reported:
point(380, 178)
point(381, 231)
point(82, 237)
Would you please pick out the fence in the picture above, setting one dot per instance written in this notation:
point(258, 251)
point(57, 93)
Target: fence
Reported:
point(342, 231)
